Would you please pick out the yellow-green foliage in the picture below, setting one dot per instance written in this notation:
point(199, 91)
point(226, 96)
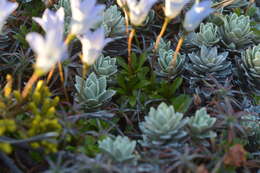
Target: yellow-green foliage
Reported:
point(5, 147)
point(39, 116)
point(6, 126)
point(44, 120)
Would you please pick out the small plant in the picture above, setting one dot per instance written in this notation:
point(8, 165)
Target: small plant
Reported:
point(119, 149)
point(251, 123)
point(45, 119)
point(236, 31)
point(38, 115)
point(132, 79)
point(200, 124)
point(94, 91)
point(163, 45)
point(6, 126)
point(164, 60)
point(208, 35)
point(139, 85)
point(105, 66)
point(251, 68)
point(165, 54)
point(208, 62)
point(163, 125)
point(113, 22)
point(168, 91)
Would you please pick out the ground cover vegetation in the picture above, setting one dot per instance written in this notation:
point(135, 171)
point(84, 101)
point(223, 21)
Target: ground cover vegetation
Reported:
point(130, 86)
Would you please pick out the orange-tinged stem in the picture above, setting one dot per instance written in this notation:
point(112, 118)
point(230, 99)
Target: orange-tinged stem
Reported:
point(164, 27)
point(130, 39)
point(50, 74)
point(177, 50)
point(61, 72)
point(29, 84)
point(126, 21)
point(69, 38)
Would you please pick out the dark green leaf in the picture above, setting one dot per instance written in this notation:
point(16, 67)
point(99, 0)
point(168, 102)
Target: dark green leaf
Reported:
point(182, 103)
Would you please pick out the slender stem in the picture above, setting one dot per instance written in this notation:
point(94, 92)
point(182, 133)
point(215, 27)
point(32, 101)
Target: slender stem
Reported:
point(69, 38)
point(126, 21)
point(165, 24)
point(50, 74)
point(62, 80)
point(84, 74)
point(61, 72)
point(130, 39)
point(29, 84)
point(85, 70)
point(177, 50)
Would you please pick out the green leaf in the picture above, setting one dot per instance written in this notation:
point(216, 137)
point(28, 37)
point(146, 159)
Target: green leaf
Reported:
point(142, 60)
point(142, 84)
point(132, 100)
point(176, 84)
point(238, 11)
point(181, 103)
point(256, 31)
point(121, 81)
point(90, 146)
point(257, 99)
point(121, 61)
point(251, 11)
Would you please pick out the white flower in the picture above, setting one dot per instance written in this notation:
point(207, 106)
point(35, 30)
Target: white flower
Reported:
point(85, 14)
point(92, 45)
point(196, 14)
point(49, 50)
point(52, 21)
point(6, 8)
point(139, 10)
point(174, 7)
point(121, 3)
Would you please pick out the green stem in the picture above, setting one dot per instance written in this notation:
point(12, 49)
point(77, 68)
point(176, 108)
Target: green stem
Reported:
point(84, 74)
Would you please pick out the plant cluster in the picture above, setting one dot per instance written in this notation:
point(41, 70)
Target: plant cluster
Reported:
point(33, 122)
point(108, 86)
